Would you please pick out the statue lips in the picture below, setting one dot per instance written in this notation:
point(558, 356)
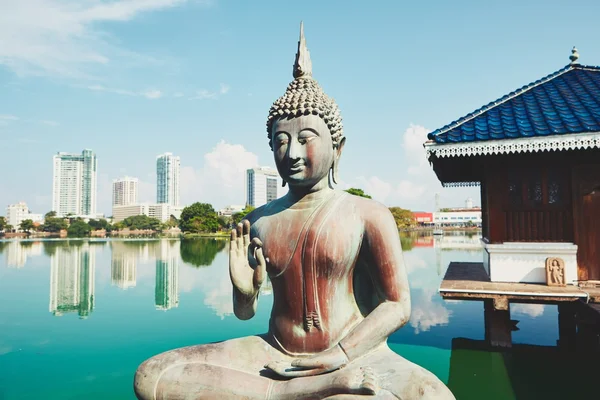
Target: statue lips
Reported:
point(297, 167)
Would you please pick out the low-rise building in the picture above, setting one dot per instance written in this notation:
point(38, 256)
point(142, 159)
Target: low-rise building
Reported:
point(17, 213)
point(230, 210)
point(423, 218)
point(162, 211)
point(458, 216)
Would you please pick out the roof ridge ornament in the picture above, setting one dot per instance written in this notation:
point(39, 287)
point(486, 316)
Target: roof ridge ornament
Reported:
point(302, 65)
point(574, 56)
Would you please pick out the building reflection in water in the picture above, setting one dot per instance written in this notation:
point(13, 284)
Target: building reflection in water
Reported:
point(18, 251)
point(72, 279)
point(123, 270)
point(166, 291)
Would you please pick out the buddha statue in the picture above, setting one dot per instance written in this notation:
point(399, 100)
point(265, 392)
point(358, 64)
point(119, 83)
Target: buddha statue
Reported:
point(339, 282)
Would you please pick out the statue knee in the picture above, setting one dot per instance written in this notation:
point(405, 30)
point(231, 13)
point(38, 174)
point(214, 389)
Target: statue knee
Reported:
point(144, 382)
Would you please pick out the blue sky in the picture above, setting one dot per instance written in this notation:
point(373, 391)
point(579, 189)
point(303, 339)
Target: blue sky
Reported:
point(132, 79)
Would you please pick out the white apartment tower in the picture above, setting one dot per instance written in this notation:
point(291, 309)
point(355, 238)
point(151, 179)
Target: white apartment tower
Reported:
point(167, 179)
point(262, 186)
point(74, 183)
point(125, 191)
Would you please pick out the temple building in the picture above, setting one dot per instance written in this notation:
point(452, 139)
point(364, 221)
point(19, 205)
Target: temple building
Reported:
point(535, 153)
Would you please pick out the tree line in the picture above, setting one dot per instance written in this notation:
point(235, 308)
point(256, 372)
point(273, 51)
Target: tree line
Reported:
point(195, 218)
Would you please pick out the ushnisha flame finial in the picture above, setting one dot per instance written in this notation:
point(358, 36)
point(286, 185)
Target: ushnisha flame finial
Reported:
point(302, 65)
point(574, 55)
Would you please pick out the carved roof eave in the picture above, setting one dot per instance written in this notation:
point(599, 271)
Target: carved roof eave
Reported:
point(532, 144)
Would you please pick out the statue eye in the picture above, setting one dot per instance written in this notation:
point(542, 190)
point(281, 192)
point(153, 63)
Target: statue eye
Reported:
point(281, 140)
point(306, 137)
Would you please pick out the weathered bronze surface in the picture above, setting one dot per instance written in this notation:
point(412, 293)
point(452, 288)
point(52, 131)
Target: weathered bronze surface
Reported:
point(339, 282)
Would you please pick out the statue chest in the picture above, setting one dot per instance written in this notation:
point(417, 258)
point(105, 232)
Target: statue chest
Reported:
point(324, 243)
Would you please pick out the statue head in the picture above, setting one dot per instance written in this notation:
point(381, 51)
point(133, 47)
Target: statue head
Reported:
point(304, 127)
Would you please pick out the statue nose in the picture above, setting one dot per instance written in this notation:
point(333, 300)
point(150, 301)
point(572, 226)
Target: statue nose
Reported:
point(295, 151)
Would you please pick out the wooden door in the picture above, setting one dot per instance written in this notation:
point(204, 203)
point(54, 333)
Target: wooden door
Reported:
point(586, 209)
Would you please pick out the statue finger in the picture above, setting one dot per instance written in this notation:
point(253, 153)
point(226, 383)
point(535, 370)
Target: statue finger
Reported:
point(260, 271)
point(246, 232)
point(288, 371)
point(239, 234)
point(308, 363)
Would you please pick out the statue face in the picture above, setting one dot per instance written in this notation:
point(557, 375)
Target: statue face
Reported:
point(303, 149)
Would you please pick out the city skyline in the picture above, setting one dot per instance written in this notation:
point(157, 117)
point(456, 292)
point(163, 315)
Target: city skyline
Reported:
point(167, 75)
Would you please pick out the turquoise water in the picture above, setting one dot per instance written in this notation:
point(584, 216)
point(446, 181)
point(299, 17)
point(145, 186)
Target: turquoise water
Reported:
point(77, 317)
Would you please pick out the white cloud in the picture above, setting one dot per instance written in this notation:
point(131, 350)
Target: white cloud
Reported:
point(6, 119)
point(63, 38)
point(417, 183)
point(49, 122)
point(427, 313)
point(224, 88)
point(203, 94)
point(220, 181)
point(152, 94)
point(100, 88)
point(532, 310)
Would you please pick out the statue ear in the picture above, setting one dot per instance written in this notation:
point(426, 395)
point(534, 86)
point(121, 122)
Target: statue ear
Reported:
point(336, 160)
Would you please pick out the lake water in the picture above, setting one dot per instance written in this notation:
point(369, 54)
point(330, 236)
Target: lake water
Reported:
point(78, 316)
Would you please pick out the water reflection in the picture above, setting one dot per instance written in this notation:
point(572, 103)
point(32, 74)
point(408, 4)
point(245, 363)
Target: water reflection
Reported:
point(17, 252)
point(191, 279)
point(166, 290)
point(123, 266)
point(72, 279)
point(201, 252)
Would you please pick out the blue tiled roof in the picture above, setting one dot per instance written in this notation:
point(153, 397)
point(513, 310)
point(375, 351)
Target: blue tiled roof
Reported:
point(567, 101)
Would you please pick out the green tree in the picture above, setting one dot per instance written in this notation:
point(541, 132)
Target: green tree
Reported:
point(26, 225)
point(358, 192)
point(199, 217)
point(79, 229)
point(98, 224)
point(201, 252)
point(172, 222)
point(2, 223)
point(9, 228)
point(404, 218)
point(238, 217)
point(142, 222)
point(50, 214)
point(53, 224)
point(225, 221)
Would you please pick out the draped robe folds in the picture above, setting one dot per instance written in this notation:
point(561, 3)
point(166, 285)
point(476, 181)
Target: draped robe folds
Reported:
point(316, 264)
point(312, 250)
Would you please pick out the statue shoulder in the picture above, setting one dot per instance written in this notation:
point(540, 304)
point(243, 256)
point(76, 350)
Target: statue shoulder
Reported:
point(266, 210)
point(368, 208)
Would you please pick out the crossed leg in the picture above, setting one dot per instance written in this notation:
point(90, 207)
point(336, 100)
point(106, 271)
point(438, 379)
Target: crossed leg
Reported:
point(234, 369)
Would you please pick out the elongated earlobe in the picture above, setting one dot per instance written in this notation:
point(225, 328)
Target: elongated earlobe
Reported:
point(334, 171)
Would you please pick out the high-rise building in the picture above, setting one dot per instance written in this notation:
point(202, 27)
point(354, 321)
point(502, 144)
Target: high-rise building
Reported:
point(262, 186)
point(17, 213)
point(72, 280)
point(167, 179)
point(125, 191)
point(74, 183)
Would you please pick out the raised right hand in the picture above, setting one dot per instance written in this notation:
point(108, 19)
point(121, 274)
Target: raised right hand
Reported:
point(247, 265)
